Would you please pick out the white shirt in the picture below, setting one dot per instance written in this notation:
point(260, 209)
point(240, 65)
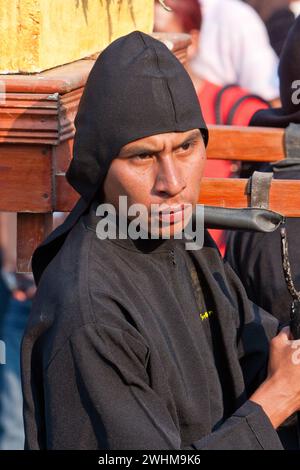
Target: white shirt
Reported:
point(235, 48)
point(295, 7)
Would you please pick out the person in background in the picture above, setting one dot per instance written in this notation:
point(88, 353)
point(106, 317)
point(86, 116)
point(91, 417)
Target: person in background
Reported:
point(16, 292)
point(295, 7)
point(4, 293)
point(257, 257)
point(235, 48)
point(220, 105)
point(266, 8)
point(19, 290)
point(278, 18)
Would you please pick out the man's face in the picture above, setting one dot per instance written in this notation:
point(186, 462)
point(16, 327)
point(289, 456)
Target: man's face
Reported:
point(164, 169)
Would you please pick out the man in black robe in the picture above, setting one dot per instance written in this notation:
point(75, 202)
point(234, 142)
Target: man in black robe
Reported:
point(140, 343)
point(257, 257)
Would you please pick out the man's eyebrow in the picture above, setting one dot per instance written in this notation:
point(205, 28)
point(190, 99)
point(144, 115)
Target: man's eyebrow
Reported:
point(193, 135)
point(189, 138)
point(148, 149)
point(138, 150)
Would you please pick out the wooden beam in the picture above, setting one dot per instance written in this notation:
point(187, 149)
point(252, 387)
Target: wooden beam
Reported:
point(25, 178)
point(59, 80)
point(66, 196)
point(32, 229)
point(257, 144)
point(223, 192)
point(38, 118)
point(8, 240)
point(62, 156)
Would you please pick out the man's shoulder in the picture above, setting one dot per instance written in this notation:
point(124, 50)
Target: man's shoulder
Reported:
point(72, 285)
point(64, 288)
point(80, 251)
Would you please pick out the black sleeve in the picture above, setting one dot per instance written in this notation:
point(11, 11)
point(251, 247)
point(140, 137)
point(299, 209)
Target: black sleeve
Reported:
point(255, 329)
point(116, 408)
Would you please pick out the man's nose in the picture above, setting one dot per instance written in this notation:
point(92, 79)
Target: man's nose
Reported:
point(169, 179)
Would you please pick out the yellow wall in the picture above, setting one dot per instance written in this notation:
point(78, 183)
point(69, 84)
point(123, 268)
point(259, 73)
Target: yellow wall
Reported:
point(40, 34)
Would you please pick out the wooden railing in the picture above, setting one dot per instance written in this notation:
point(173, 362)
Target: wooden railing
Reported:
point(33, 184)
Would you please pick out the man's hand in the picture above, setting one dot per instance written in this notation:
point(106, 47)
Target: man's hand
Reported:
point(279, 394)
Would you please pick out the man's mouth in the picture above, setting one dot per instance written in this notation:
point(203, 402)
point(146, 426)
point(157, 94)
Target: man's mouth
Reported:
point(172, 214)
point(172, 209)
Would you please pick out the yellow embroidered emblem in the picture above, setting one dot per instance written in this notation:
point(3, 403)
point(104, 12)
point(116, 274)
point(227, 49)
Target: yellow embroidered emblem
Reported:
point(206, 315)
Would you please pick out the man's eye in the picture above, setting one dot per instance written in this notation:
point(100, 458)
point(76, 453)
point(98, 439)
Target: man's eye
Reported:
point(143, 156)
point(186, 146)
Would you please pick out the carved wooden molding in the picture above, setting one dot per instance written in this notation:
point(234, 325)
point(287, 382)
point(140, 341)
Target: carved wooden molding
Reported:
point(38, 118)
point(40, 108)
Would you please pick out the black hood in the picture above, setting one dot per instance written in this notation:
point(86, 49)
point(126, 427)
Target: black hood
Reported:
point(135, 89)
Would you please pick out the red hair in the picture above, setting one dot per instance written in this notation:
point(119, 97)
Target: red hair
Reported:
point(188, 13)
